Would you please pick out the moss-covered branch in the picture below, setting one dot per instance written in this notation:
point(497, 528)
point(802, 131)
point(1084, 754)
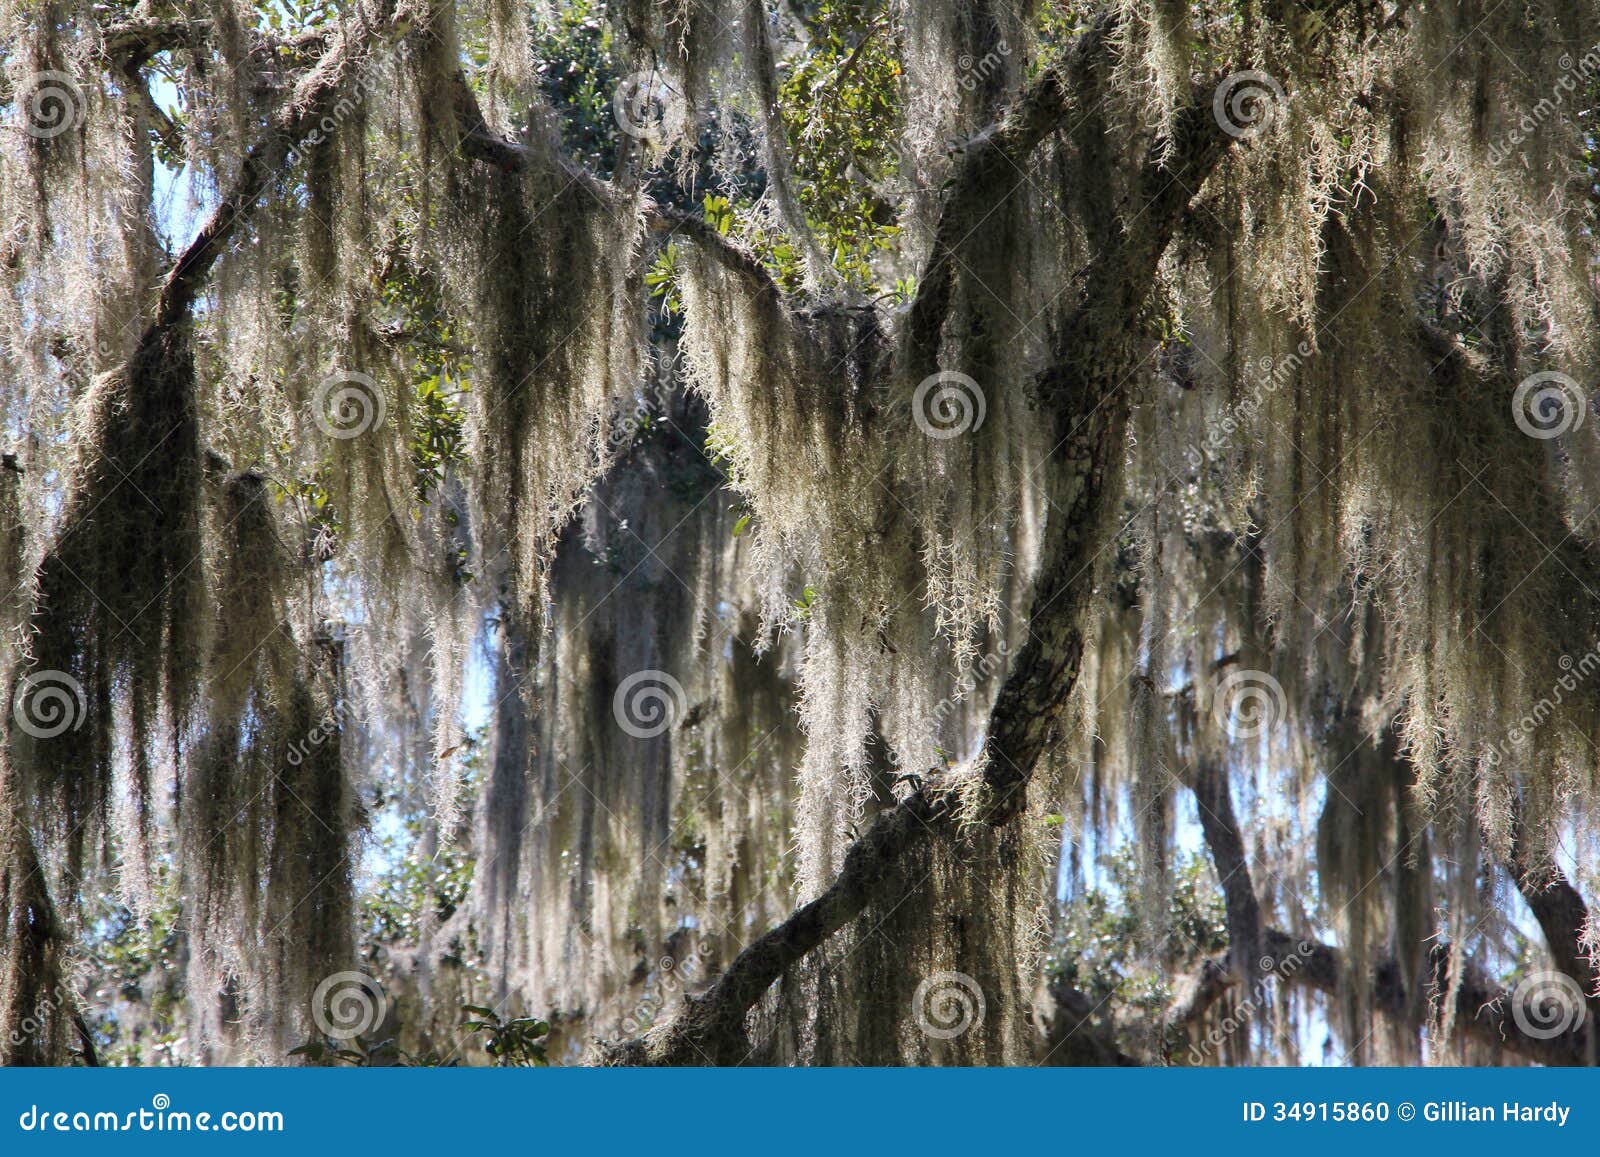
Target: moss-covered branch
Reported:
point(1088, 405)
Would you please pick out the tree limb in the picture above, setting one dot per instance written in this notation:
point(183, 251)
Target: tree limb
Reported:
point(132, 42)
point(1214, 801)
point(991, 167)
point(478, 141)
point(1085, 393)
point(1088, 410)
point(1482, 1014)
point(710, 1029)
point(296, 124)
point(1560, 909)
point(1071, 1038)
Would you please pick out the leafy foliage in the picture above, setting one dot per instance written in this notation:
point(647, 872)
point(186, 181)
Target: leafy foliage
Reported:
point(515, 1043)
point(1104, 949)
point(843, 117)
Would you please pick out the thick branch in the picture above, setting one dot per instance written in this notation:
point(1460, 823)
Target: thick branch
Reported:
point(1089, 416)
point(1560, 910)
point(710, 1030)
point(1562, 915)
point(992, 166)
point(1087, 396)
point(479, 142)
point(132, 42)
point(730, 255)
point(296, 123)
point(1071, 1037)
point(1225, 841)
point(1482, 1014)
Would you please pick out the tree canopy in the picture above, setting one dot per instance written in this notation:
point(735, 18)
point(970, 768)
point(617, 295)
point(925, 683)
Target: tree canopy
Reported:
point(823, 532)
